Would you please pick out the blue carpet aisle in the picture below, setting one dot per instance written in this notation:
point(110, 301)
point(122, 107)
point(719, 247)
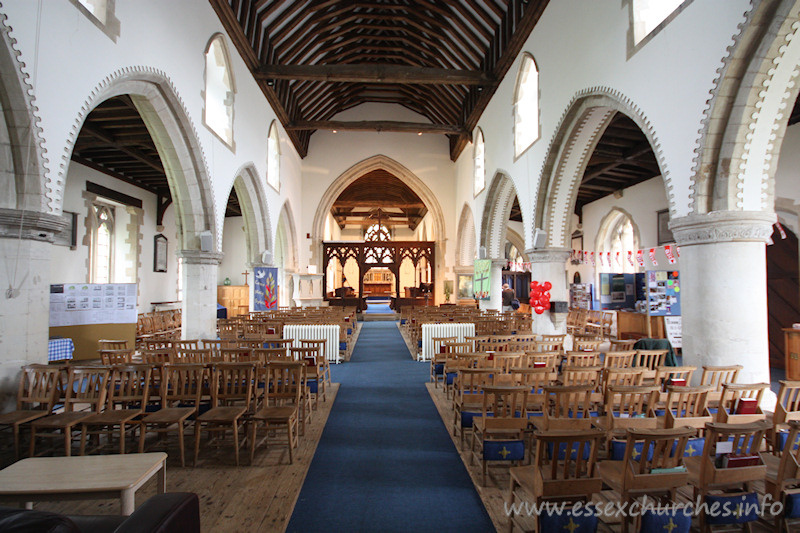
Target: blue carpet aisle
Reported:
point(385, 461)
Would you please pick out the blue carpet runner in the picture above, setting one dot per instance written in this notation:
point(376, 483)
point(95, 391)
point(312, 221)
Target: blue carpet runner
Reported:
point(377, 308)
point(385, 461)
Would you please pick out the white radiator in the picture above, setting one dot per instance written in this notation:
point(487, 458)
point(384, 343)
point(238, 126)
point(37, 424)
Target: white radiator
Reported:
point(453, 329)
point(329, 332)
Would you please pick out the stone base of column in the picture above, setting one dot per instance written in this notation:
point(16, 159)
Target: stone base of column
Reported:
point(550, 265)
point(199, 319)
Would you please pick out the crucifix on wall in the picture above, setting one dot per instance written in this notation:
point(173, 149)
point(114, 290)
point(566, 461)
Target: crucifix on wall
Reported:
point(245, 274)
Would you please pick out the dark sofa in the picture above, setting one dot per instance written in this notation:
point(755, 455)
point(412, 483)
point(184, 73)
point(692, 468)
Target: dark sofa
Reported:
point(173, 512)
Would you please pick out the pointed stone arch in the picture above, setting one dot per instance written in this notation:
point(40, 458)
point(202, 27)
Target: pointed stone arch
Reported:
point(378, 162)
point(175, 138)
point(518, 241)
point(496, 211)
point(579, 131)
point(740, 142)
point(466, 238)
point(286, 227)
point(255, 211)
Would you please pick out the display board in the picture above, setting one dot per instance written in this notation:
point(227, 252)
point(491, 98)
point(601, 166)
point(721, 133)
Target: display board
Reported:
point(674, 331)
point(617, 291)
point(663, 293)
point(79, 304)
point(265, 288)
point(482, 282)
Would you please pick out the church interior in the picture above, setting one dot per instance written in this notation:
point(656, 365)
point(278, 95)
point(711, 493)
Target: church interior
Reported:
point(400, 265)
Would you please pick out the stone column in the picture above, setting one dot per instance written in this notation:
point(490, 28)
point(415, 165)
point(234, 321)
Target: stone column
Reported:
point(495, 300)
point(199, 319)
point(550, 265)
point(724, 291)
point(25, 242)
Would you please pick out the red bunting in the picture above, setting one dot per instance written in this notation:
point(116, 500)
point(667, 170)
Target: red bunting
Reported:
point(653, 257)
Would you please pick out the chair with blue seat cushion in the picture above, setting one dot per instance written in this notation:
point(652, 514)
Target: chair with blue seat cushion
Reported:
point(536, 379)
point(716, 376)
point(672, 375)
point(706, 475)
point(629, 407)
point(740, 508)
point(499, 434)
point(787, 408)
point(653, 465)
point(687, 406)
point(582, 375)
point(783, 472)
point(620, 377)
point(558, 477)
point(649, 361)
point(468, 397)
point(569, 407)
point(439, 356)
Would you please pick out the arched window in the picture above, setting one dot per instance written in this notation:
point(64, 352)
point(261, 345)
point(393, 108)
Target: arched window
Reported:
point(480, 163)
point(274, 157)
point(219, 93)
point(377, 232)
point(102, 252)
point(649, 14)
point(526, 106)
point(617, 235)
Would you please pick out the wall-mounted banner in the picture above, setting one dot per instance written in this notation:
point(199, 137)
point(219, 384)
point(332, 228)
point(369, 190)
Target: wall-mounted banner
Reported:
point(265, 288)
point(482, 284)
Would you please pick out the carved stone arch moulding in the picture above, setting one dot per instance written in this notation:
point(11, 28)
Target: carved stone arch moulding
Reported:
point(35, 191)
point(465, 237)
point(175, 136)
point(286, 221)
point(496, 210)
point(580, 128)
point(255, 210)
point(745, 120)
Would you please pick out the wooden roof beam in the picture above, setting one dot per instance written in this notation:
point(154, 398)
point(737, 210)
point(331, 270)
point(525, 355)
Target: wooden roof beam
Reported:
point(375, 125)
point(379, 73)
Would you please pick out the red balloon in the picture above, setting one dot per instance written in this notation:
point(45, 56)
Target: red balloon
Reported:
point(547, 285)
point(539, 309)
point(545, 298)
point(534, 284)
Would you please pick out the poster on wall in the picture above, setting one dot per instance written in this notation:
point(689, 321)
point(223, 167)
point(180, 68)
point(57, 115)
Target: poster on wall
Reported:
point(79, 304)
point(482, 284)
point(663, 293)
point(265, 288)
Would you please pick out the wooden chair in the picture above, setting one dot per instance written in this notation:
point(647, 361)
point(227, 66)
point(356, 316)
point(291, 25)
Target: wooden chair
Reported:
point(196, 356)
point(281, 404)
point(786, 410)
point(717, 376)
point(112, 357)
point(181, 390)
point(586, 344)
point(666, 375)
point(322, 359)
point(569, 407)
point(157, 344)
point(268, 355)
point(705, 475)
point(783, 473)
point(649, 361)
point(126, 400)
point(557, 475)
point(535, 379)
point(732, 393)
point(501, 426)
point(38, 390)
point(468, 397)
point(628, 407)
point(583, 358)
point(315, 383)
point(582, 375)
point(621, 345)
point(621, 377)
point(687, 406)
point(191, 344)
point(652, 465)
point(231, 396)
point(87, 387)
point(439, 355)
point(523, 343)
point(549, 346)
point(541, 360)
point(107, 344)
point(619, 359)
point(238, 355)
point(158, 356)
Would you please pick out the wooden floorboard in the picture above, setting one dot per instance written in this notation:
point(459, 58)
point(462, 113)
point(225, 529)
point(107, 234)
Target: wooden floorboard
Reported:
point(260, 497)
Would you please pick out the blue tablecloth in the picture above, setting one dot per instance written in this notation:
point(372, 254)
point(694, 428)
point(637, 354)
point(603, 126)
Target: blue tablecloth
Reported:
point(60, 349)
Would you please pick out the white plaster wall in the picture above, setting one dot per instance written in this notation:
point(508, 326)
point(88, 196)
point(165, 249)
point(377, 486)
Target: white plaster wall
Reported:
point(70, 266)
point(63, 78)
point(591, 52)
point(234, 247)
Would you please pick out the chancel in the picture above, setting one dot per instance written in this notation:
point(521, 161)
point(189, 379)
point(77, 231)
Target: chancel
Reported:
point(263, 245)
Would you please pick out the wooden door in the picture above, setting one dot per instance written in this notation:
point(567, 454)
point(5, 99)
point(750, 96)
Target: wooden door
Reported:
point(783, 292)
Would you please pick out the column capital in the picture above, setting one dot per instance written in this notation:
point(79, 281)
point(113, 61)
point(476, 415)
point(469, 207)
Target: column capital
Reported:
point(36, 226)
point(723, 226)
point(196, 257)
point(549, 255)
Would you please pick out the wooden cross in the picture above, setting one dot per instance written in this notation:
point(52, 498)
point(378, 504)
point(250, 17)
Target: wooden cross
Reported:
point(245, 274)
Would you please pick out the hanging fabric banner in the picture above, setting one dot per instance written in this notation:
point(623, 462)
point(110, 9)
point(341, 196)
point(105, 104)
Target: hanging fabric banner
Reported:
point(678, 251)
point(640, 257)
point(600, 258)
point(653, 257)
point(669, 254)
point(585, 258)
point(618, 260)
point(630, 258)
point(591, 254)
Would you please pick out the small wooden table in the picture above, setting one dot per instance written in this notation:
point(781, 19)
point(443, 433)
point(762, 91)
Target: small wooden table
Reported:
point(83, 477)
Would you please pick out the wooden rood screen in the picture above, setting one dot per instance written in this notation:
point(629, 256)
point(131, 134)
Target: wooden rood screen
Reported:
point(368, 254)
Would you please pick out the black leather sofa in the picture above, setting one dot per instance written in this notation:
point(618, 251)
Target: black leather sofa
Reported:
point(173, 512)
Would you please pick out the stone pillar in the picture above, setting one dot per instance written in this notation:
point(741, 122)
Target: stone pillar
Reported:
point(199, 319)
point(24, 293)
point(550, 265)
point(724, 291)
point(495, 300)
